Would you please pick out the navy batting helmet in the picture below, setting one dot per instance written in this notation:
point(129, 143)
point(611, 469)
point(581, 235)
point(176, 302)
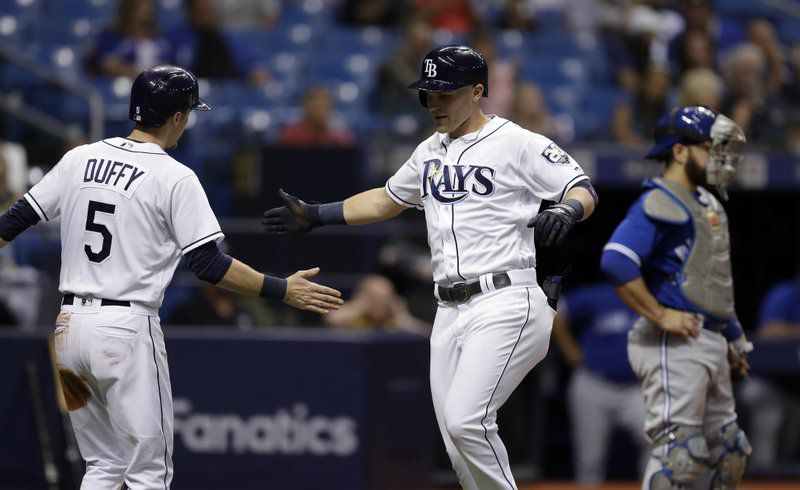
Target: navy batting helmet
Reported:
point(160, 92)
point(450, 67)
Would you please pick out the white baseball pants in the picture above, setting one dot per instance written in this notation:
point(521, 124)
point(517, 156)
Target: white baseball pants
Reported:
point(112, 364)
point(480, 352)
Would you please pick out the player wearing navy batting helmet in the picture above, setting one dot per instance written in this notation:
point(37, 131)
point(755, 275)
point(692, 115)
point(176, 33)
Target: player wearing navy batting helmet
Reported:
point(480, 181)
point(129, 212)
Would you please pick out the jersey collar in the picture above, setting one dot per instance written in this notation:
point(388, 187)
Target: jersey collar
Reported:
point(494, 122)
point(135, 145)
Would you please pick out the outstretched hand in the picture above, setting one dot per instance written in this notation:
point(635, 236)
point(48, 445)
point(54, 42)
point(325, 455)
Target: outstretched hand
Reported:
point(550, 227)
point(306, 295)
point(291, 218)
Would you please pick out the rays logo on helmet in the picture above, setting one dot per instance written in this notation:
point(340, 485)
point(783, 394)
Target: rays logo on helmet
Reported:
point(430, 68)
point(555, 155)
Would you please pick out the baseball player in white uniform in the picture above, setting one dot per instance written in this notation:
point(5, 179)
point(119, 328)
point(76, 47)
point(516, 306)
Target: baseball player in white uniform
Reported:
point(480, 181)
point(128, 213)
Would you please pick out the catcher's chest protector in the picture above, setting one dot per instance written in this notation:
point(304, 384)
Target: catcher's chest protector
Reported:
point(706, 278)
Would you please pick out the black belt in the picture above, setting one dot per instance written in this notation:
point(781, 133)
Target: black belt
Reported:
point(69, 298)
point(463, 291)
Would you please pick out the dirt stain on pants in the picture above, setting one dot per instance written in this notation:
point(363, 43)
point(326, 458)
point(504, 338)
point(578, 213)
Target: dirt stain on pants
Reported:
point(76, 390)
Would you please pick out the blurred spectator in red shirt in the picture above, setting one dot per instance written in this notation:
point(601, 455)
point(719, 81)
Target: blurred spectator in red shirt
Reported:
point(456, 16)
point(131, 44)
point(317, 127)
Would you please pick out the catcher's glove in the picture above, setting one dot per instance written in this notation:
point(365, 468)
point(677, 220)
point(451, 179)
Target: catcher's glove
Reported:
point(737, 359)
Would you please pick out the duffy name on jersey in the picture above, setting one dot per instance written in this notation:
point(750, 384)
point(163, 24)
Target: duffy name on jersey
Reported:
point(118, 176)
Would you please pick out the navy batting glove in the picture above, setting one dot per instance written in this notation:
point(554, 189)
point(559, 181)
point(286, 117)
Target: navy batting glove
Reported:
point(552, 225)
point(296, 217)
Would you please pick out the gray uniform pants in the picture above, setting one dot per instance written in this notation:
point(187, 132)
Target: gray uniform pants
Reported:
point(685, 383)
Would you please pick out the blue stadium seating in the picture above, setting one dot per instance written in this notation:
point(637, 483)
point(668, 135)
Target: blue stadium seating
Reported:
point(747, 9)
point(593, 120)
point(100, 10)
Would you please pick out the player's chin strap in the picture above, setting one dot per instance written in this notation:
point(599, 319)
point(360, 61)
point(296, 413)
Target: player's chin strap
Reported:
point(552, 287)
point(723, 158)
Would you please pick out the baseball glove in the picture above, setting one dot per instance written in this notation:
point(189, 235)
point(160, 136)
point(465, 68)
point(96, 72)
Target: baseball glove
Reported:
point(740, 367)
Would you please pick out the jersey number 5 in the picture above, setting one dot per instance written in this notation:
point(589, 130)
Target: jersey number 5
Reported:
point(105, 250)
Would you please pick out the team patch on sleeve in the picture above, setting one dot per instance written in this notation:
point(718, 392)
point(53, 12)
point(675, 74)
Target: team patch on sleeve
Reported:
point(555, 155)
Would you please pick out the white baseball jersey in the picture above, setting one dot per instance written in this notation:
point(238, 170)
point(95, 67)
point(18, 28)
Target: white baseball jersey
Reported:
point(479, 192)
point(128, 212)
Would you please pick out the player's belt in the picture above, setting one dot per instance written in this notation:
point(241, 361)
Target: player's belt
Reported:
point(69, 299)
point(463, 291)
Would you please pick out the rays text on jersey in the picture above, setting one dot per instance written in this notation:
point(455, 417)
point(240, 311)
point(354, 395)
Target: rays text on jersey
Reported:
point(451, 183)
point(121, 177)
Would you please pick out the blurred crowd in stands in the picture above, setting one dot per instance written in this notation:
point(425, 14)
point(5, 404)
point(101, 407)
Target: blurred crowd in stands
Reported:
point(334, 73)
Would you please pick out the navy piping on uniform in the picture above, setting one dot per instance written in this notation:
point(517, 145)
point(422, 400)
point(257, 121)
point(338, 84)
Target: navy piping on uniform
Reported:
point(201, 239)
point(570, 184)
point(134, 151)
point(455, 239)
point(398, 197)
point(160, 401)
point(473, 144)
point(38, 206)
point(486, 415)
point(452, 206)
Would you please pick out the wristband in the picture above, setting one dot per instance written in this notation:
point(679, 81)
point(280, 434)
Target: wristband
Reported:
point(577, 208)
point(326, 214)
point(273, 287)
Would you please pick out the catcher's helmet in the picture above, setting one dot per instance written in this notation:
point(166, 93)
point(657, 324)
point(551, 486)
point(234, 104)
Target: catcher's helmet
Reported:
point(160, 92)
point(695, 124)
point(450, 67)
point(686, 125)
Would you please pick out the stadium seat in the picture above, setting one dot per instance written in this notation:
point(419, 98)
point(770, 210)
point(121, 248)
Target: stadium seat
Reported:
point(594, 119)
point(747, 9)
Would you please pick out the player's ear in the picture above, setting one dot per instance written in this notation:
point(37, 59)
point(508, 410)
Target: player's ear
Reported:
point(680, 153)
point(179, 117)
point(477, 91)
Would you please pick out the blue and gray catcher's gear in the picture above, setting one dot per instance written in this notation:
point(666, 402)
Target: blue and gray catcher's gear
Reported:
point(160, 92)
point(450, 67)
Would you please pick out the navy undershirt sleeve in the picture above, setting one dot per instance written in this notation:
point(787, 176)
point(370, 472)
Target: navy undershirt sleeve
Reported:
point(19, 217)
point(208, 263)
